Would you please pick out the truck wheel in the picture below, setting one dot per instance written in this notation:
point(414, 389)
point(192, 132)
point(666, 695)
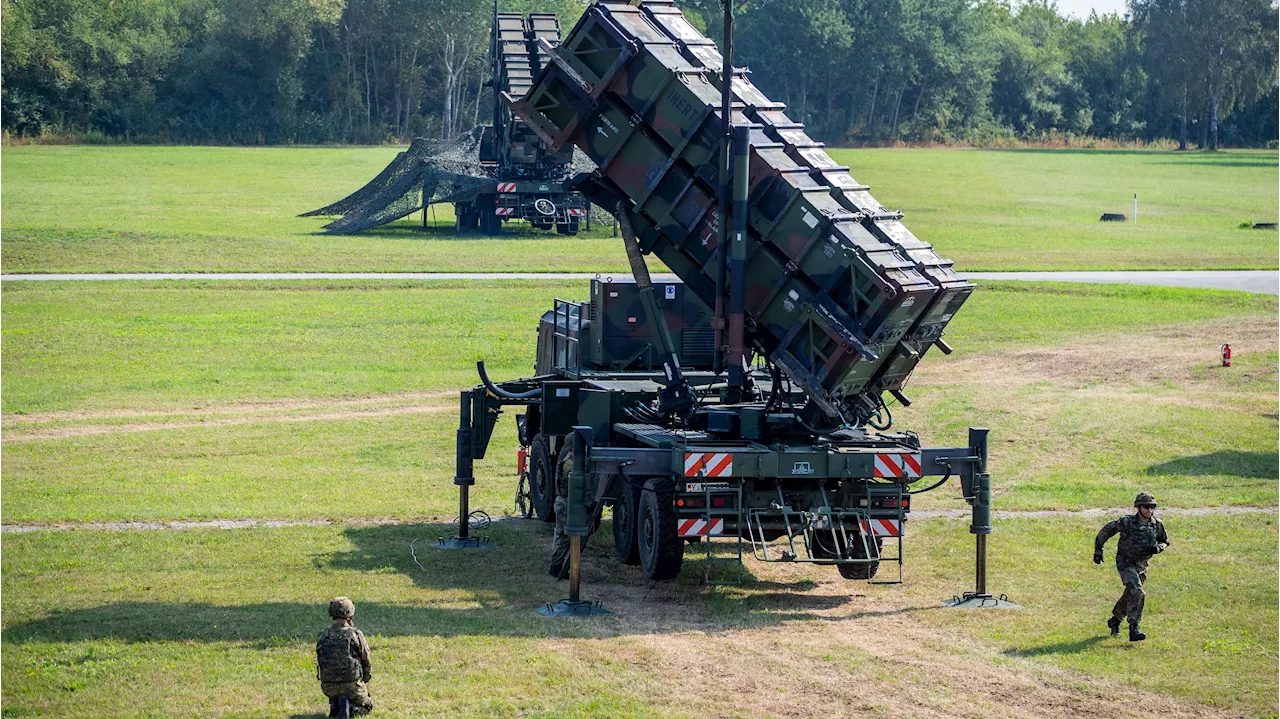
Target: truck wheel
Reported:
point(661, 549)
point(542, 480)
point(860, 571)
point(569, 228)
point(625, 537)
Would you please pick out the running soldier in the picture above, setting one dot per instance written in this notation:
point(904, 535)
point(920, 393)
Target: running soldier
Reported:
point(342, 662)
point(1141, 537)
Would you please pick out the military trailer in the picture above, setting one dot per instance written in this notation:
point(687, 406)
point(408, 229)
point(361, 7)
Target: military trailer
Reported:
point(527, 175)
point(747, 402)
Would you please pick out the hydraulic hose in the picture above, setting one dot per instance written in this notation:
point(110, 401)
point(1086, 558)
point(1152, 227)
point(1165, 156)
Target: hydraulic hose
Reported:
point(502, 393)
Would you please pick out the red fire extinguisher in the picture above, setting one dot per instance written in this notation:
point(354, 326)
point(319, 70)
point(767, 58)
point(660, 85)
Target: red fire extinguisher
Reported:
point(522, 460)
point(1226, 355)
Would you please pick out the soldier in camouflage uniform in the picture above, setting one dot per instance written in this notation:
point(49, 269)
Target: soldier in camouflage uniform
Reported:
point(342, 661)
point(1141, 537)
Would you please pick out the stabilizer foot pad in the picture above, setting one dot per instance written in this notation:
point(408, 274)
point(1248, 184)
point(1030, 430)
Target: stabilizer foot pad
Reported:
point(971, 600)
point(569, 608)
point(464, 543)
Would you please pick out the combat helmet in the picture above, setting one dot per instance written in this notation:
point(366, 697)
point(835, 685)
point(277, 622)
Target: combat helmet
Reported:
point(342, 608)
point(1144, 498)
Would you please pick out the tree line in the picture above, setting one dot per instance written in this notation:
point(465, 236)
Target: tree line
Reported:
point(1198, 72)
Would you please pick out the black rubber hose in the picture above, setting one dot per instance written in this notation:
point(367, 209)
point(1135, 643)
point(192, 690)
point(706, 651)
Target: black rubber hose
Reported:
point(502, 393)
point(935, 485)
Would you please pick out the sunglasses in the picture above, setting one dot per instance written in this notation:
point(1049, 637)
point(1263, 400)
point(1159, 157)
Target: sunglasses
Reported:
point(1147, 506)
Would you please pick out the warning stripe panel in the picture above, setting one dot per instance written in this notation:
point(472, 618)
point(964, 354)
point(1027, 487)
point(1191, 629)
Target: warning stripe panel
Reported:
point(708, 464)
point(882, 527)
point(897, 466)
point(506, 187)
point(504, 211)
point(699, 527)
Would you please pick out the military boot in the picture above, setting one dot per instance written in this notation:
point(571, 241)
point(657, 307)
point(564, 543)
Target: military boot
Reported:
point(1114, 625)
point(1135, 634)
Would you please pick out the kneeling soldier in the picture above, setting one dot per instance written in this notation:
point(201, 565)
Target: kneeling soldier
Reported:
point(342, 662)
point(1141, 537)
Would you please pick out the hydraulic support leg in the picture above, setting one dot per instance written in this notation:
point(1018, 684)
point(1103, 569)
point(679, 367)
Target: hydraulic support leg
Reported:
point(464, 478)
point(979, 491)
point(578, 527)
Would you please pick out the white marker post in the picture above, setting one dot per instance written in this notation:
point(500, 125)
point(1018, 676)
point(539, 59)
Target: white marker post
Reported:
point(1135, 208)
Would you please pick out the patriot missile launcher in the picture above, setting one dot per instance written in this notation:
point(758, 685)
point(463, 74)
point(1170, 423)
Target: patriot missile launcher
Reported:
point(746, 402)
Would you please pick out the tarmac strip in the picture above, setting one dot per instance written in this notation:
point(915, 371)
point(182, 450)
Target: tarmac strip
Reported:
point(181, 524)
point(1256, 281)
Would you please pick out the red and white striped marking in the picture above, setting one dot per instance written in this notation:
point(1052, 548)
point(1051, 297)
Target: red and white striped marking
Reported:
point(882, 527)
point(506, 187)
point(504, 210)
point(708, 464)
point(571, 212)
point(700, 528)
point(898, 465)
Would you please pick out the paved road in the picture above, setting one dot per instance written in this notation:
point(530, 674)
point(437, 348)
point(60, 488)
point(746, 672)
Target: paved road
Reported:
point(1257, 281)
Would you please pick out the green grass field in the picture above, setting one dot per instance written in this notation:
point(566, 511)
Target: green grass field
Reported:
point(253, 399)
point(335, 400)
point(116, 209)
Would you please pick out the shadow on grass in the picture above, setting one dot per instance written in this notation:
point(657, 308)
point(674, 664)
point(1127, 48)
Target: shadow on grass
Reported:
point(473, 592)
point(1234, 463)
point(1060, 648)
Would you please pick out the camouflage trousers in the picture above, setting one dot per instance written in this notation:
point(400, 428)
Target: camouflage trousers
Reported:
point(1129, 605)
point(560, 541)
point(356, 692)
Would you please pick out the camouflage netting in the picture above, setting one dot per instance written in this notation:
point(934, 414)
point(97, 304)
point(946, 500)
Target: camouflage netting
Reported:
point(430, 171)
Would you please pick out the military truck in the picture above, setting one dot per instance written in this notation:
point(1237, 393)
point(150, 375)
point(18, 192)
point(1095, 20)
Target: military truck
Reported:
point(747, 401)
point(527, 174)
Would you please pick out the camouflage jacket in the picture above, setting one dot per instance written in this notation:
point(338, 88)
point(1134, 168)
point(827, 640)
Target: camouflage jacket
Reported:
point(1138, 541)
point(342, 654)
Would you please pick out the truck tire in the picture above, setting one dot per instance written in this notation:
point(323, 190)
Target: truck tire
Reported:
point(542, 479)
point(661, 549)
point(860, 571)
point(569, 228)
point(626, 543)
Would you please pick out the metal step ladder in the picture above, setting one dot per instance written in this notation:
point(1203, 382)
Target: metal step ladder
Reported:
point(833, 530)
point(710, 512)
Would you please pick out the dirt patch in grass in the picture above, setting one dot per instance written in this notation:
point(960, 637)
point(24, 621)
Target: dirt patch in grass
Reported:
point(1182, 355)
point(59, 425)
point(855, 655)
point(282, 405)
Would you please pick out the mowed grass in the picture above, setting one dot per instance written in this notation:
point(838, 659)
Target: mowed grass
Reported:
point(222, 623)
point(211, 209)
point(1040, 209)
point(1211, 612)
point(117, 209)
point(249, 400)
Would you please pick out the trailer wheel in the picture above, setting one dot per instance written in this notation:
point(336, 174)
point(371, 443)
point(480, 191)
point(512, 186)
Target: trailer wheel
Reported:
point(626, 543)
point(569, 228)
point(661, 549)
point(860, 571)
point(542, 479)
